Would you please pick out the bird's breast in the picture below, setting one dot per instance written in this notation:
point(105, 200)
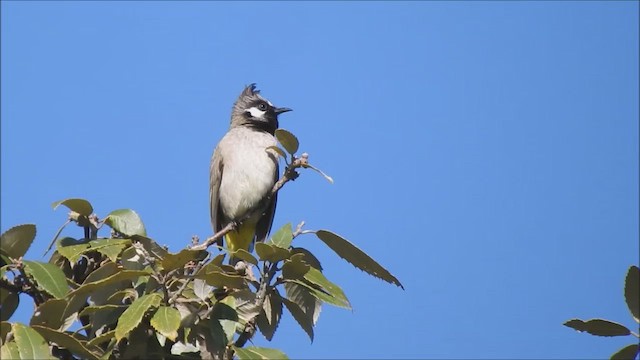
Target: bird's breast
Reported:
point(249, 171)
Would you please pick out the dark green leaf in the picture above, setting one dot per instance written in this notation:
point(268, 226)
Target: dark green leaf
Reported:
point(246, 256)
point(81, 206)
point(295, 267)
point(50, 314)
point(632, 291)
point(132, 317)
point(316, 277)
point(271, 314)
point(272, 253)
point(175, 261)
point(101, 339)
point(5, 328)
point(309, 258)
point(288, 140)
point(302, 297)
point(15, 242)
point(49, 277)
point(71, 248)
point(629, 352)
point(246, 307)
point(166, 321)
point(301, 318)
point(283, 237)
point(30, 344)
point(126, 221)
point(225, 316)
point(259, 353)
point(356, 257)
point(218, 279)
point(65, 340)
point(599, 327)
point(9, 303)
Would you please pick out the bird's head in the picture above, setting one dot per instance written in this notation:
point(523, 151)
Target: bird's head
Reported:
point(253, 110)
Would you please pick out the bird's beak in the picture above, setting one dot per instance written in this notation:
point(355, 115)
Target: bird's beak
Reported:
point(281, 110)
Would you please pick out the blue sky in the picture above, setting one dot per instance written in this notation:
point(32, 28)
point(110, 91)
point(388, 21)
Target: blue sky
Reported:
point(486, 153)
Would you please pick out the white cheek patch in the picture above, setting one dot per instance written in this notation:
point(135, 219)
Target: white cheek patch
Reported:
point(256, 113)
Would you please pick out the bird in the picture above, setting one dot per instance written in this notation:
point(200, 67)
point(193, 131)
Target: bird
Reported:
point(243, 171)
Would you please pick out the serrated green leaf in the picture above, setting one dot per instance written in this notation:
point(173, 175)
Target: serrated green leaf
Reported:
point(81, 206)
point(259, 353)
point(225, 315)
point(309, 258)
point(305, 321)
point(271, 253)
point(305, 299)
point(316, 277)
point(288, 140)
point(9, 350)
point(278, 151)
point(175, 261)
point(629, 352)
point(96, 341)
point(49, 277)
point(30, 344)
point(283, 237)
point(9, 303)
point(245, 305)
point(126, 221)
point(295, 267)
point(356, 257)
point(50, 314)
point(65, 340)
point(271, 314)
point(132, 317)
point(166, 321)
point(16, 241)
point(122, 275)
point(599, 327)
point(632, 291)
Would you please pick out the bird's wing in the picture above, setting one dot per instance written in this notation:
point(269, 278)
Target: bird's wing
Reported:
point(215, 178)
point(266, 220)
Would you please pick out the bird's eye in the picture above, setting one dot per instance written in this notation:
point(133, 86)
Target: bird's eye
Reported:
point(262, 107)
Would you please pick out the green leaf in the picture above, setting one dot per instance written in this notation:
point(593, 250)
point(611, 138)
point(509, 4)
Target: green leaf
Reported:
point(126, 221)
point(245, 255)
point(115, 278)
point(270, 317)
point(9, 304)
point(175, 261)
point(278, 151)
point(295, 267)
point(316, 277)
point(272, 253)
point(96, 341)
point(218, 279)
point(629, 352)
point(30, 344)
point(599, 327)
point(305, 299)
point(71, 248)
point(81, 206)
point(260, 353)
point(301, 318)
point(5, 328)
point(245, 305)
point(132, 317)
point(309, 258)
point(288, 140)
point(283, 237)
point(16, 241)
point(223, 321)
point(49, 277)
point(65, 340)
point(356, 257)
point(50, 314)
point(10, 351)
point(166, 321)
point(632, 291)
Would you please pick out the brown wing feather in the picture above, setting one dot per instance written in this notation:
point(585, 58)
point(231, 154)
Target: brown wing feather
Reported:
point(215, 178)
